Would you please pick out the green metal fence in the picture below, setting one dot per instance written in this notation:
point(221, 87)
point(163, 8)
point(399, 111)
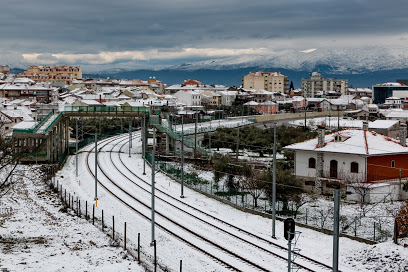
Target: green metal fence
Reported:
point(34, 128)
point(107, 109)
point(175, 171)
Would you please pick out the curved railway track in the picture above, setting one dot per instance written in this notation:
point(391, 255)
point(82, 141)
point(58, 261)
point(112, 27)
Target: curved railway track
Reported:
point(219, 229)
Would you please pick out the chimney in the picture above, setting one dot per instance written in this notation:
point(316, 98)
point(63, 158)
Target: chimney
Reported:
point(365, 125)
point(320, 135)
point(403, 134)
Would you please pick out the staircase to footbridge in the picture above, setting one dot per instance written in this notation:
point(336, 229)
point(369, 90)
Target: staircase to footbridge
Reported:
point(48, 140)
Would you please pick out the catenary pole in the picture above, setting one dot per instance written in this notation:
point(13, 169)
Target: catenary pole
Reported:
point(182, 156)
point(144, 144)
point(96, 167)
point(336, 227)
point(76, 147)
point(153, 185)
point(274, 183)
point(130, 137)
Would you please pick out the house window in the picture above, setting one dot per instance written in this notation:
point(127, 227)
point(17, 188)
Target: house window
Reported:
point(354, 167)
point(393, 164)
point(312, 163)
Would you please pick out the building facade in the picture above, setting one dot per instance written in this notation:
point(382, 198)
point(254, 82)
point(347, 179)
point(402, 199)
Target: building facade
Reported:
point(317, 84)
point(53, 73)
point(269, 81)
point(350, 156)
point(4, 69)
point(383, 91)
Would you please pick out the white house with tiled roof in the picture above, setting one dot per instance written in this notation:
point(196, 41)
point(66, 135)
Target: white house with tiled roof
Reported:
point(350, 155)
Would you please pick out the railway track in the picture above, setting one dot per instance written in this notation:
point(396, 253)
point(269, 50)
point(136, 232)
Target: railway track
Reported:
point(304, 259)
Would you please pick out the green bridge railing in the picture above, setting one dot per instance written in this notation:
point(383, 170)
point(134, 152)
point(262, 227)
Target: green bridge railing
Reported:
point(34, 128)
point(107, 109)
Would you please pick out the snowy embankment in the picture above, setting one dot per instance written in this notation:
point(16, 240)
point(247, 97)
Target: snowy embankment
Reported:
point(170, 250)
point(38, 234)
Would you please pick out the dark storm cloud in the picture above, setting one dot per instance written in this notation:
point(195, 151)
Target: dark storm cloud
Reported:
point(46, 26)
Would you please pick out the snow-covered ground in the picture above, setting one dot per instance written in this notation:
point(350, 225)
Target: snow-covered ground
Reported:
point(330, 122)
point(39, 235)
point(213, 125)
point(353, 255)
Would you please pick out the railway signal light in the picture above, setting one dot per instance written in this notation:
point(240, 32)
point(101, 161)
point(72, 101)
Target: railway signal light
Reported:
point(289, 229)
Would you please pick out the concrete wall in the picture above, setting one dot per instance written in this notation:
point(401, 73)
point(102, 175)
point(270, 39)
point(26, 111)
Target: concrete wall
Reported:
point(299, 115)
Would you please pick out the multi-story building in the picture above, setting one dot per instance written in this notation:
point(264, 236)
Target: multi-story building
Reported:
point(25, 91)
point(53, 73)
point(317, 84)
point(269, 81)
point(4, 69)
point(189, 98)
point(383, 91)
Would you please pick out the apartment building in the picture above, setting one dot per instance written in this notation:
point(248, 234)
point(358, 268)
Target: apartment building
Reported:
point(4, 69)
point(317, 84)
point(269, 81)
point(53, 73)
point(26, 91)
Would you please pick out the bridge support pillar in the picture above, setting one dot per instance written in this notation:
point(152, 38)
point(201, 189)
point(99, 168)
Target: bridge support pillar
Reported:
point(167, 144)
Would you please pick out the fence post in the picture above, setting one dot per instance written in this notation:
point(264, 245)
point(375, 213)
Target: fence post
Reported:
point(79, 207)
point(125, 238)
point(65, 197)
point(86, 209)
point(306, 216)
point(374, 231)
point(102, 220)
point(155, 256)
point(355, 228)
point(138, 247)
point(113, 227)
point(181, 265)
point(93, 214)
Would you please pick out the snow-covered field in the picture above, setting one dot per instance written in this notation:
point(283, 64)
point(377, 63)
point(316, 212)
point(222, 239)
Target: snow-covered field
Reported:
point(213, 125)
point(39, 235)
point(353, 255)
point(330, 122)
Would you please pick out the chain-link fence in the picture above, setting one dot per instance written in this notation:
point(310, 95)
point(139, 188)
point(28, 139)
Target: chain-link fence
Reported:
point(121, 232)
point(373, 223)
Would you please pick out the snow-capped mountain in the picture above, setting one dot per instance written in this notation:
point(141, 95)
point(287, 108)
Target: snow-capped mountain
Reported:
point(345, 60)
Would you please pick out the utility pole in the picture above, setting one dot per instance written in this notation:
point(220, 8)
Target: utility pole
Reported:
point(195, 135)
point(338, 117)
point(274, 183)
point(336, 227)
point(153, 185)
point(209, 136)
point(237, 143)
point(242, 112)
point(182, 156)
point(96, 169)
point(76, 146)
point(144, 144)
point(305, 118)
point(130, 138)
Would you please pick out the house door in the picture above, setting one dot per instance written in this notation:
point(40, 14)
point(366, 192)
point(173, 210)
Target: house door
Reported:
point(333, 169)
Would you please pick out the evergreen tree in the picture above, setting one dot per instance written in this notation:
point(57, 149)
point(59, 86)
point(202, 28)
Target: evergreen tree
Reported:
point(291, 87)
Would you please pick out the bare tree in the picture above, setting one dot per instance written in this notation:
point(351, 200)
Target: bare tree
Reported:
point(9, 160)
point(360, 187)
point(253, 183)
point(301, 199)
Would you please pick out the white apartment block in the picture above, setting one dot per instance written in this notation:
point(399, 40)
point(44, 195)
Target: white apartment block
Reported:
point(316, 83)
point(188, 97)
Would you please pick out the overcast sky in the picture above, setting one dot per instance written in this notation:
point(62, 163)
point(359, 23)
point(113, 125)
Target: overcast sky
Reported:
point(136, 33)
